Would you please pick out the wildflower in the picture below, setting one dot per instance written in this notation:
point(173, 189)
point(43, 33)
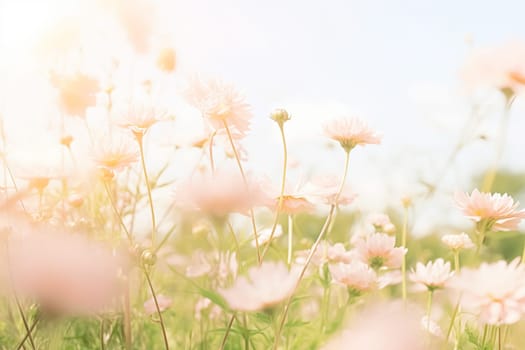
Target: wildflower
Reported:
point(294, 204)
point(114, 152)
point(433, 275)
point(431, 327)
point(327, 190)
point(205, 308)
point(501, 67)
point(64, 273)
point(494, 212)
point(76, 92)
point(383, 326)
point(138, 116)
point(458, 242)
point(220, 194)
point(164, 302)
point(266, 286)
point(220, 105)
point(351, 132)
point(326, 253)
point(381, 223)
point(356, 276)
point(495, 291)
point(377, 250)
point(280, 116)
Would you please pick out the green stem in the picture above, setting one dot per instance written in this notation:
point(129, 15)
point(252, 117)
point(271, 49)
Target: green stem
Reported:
point(117, 213)
point(404, 262)
point(429, 309)
point(456, 261)
point(228, 328)
point(28, 333)
point(157, 307)
point(241, 169)
point(148, 187)
point(290, 238)
point(312, 251)
point(281, 195)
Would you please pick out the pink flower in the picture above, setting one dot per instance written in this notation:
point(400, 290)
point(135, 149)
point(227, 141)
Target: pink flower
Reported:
point(326, 189)
point(294, 204)
point(266, 286)
point(382, 327)
point(498, 212)
point(377, 250)
point(501, 67)
point(458, 242)
point(433, 275)
point(220, 194)
point(64, 273)
point(76, 92)
point(381, 223)
point(351, 132)
point(263, 236)
point(138, 116)
point(164, 302)
point(496, 291)
point(357, 276)
point(326, 253)
point(114, 152)
point(220, 104)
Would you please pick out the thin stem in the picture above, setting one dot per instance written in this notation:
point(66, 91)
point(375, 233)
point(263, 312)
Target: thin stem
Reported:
point(28, 334)
point(404, 262)
point(212, 162)
point(101, 333)
point(241, 169)
point(499, 338)
point(228, 328)
point(484, 337)
point(127, 317)
point(159, 313)
point(452, 320)
point(290, 239)
point(281, 195)
point(456, 261)
point(429, 309)
point(312, 251)
point(148, 187)
point(117, 213)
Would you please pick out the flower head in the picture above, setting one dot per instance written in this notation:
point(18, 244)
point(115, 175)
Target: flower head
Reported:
point(458, 242)
point(498, 212)
point(263, 236)
point(64, 273)
point(351, 132)
point(501, 67)
point(378, 250)
point(220, 105)
point(266, 286)
point(138, 116)
point(114, 152)
point(76, 92)
point(166, 60)
point(381, 223)
point(433, 275)
point(357, 276)
point(495, 291)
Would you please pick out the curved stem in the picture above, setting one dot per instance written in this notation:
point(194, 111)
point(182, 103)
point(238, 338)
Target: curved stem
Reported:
point(321, 235)
point(404, 263)
point(212, 162)
point(159, 313)
point(148, 187)
point(281, 195)
point(114, 206)
point(228, 328)
point(241, 169)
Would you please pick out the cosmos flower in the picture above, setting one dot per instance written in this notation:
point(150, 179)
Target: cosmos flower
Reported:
point(381, 223)
point(64, 273)
point(266, 286)
point(496, 291)
point(458, 242)
point(263, 236)
point(220, 104)
point(496, 211)
point(350, 132)
point(138, 115)
point(114, 152)
point(433, 275)
point(378, 250)
point(501, 67)
point(76, 92)
point(356, 276)
point(391, 326)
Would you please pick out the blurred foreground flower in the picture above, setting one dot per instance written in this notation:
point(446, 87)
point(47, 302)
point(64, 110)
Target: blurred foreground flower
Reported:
point(384, 326)
point(494, 291)
point(164, 303)
point(501, 67)
point(457, 242)
point(114, 152)
point(266, 286)
point(356, 276)
point(64, 273)
point(76, 92)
